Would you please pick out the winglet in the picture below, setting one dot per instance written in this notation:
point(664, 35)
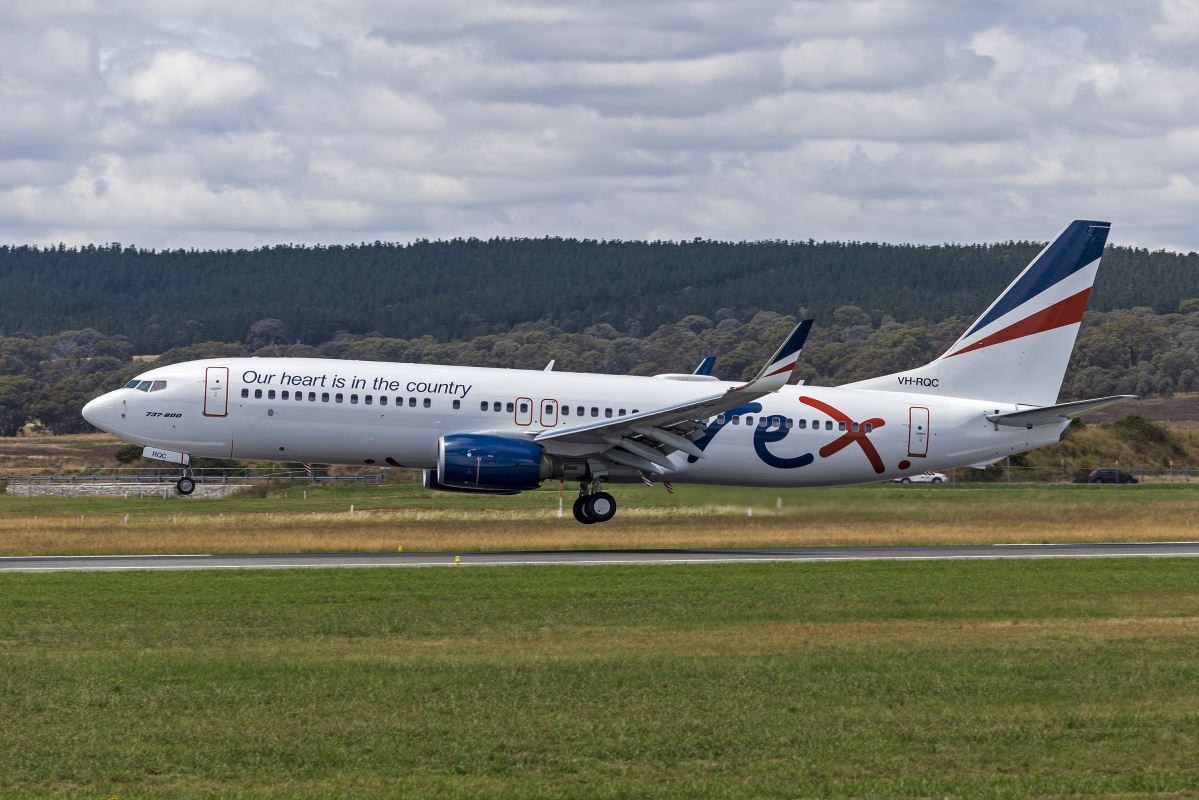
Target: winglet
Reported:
point(705, 366)
point(778, 370)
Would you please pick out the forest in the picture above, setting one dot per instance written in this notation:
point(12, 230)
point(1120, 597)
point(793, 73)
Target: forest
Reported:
point(461, 289)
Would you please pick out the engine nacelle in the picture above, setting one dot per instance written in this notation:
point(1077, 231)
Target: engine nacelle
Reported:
point(480, 462)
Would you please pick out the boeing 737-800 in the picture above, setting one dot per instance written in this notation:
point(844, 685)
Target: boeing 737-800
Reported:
point(471, 429)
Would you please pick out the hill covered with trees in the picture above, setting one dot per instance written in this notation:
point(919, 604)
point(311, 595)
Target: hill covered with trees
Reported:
point(465, 288)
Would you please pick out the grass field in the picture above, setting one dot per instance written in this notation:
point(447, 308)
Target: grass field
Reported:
point(387, 517)
point(988, 679)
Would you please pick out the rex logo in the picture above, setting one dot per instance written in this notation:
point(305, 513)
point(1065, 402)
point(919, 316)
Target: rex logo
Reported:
point(762, 436)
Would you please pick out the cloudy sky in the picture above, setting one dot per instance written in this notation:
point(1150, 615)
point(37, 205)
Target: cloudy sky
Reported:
point(225, 123)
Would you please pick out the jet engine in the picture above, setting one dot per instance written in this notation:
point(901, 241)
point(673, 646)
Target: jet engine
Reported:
point(482, 463)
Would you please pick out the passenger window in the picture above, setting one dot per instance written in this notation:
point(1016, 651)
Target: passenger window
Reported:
point(595, 411)
point(749, 420)
point(457, 404)
point(509, 406)
point(566, 411)
point(353, 399)
point(368, 399)
point(483, 406)
point(284, 395)
point(621, 412)
point(428, 403)
point(840, 426)
point(635, 411)
point(245, 392)
point(607, 412)
point(736, 420)
point(803, 424)
point(312, 397)
point(790, 422)
point(299, 396)
point(399, 402)
point(495, 406)
point(549, 408)
point(868, 427)
point(158, 386)
point(580, 411)
point(324, 397)
point(853, 426)
point(721, 420)
point(524, 408)
point(412, 402)
point(382, 399)
point(828, 424)
point(257, 394)
point(270, 395)
point(339, 397)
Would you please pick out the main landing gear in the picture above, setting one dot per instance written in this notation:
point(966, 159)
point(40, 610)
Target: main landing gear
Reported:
point(593, 504)
point(186, 483)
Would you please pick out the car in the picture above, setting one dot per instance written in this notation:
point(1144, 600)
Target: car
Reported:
point(924, 477)
point(1110, 475)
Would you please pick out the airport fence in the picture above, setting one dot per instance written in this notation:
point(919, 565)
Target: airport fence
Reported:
point(205, 475)
point(1003, 472)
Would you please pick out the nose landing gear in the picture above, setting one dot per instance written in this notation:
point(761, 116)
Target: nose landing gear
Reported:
point(594, 505)
point(186, 483)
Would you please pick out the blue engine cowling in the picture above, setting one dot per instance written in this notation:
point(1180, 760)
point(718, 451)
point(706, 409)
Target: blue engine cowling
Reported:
point(491, 463)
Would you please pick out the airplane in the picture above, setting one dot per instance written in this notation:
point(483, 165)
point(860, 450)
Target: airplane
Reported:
point(502, 431)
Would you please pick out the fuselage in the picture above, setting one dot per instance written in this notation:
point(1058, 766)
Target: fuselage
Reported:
point(392, 414)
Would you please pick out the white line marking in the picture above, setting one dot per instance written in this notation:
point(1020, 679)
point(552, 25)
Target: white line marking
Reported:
point(592, 562)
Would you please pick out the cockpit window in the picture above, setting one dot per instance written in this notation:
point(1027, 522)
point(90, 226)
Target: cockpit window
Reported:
point(132, 384)
point(158, 386)
point(143, 386)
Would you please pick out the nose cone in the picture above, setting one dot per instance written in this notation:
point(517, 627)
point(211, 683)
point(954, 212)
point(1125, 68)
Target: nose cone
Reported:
point(99, 412)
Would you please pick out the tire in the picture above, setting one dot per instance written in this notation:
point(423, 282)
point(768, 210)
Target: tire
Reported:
point(580, 511)
point(185, 486)
point(938, 480)
point(905, 480)
point(600, 506)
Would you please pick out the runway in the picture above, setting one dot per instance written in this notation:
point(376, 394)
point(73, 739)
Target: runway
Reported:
point(159, 563)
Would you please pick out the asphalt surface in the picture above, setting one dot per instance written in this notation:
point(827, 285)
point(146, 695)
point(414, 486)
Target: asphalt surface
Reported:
point(590, 557)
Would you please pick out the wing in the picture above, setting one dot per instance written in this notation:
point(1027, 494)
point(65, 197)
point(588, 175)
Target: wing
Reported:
point(644, 439)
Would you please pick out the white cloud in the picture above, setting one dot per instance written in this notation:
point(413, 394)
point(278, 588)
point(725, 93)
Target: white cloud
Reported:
point(177, 81)
point(220, 123)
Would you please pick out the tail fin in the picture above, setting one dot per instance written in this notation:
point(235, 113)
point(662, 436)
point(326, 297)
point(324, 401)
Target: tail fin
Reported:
point(1017, 351)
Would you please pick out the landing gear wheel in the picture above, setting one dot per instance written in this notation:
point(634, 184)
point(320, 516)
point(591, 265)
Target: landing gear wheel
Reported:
point(185, 486)
point(580, 511)
point(600, 507)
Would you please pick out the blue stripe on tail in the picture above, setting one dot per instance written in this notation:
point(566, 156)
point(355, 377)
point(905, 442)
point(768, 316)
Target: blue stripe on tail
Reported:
point(1077, 246)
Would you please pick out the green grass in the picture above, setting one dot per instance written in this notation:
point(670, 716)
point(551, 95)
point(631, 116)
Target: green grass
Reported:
point(865, 679)
point(850, 500)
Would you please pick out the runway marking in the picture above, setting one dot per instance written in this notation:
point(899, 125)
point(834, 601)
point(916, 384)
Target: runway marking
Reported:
point(169, 563)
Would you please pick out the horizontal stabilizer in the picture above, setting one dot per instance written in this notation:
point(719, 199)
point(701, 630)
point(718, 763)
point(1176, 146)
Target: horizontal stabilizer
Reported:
point(1051, 415)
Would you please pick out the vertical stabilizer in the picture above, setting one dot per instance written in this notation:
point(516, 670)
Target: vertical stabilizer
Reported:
point(1017, 351)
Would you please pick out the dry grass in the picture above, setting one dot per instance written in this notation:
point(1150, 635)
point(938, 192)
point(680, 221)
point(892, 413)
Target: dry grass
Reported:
point(39, 454)
point(534, 529)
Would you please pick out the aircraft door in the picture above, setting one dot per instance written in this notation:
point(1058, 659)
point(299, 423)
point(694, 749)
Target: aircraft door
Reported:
point(524, 411)
point(918, 432)
point(216, 391)
point(549, 413)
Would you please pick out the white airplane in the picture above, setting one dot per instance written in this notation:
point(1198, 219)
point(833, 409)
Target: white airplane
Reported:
point(502, 431)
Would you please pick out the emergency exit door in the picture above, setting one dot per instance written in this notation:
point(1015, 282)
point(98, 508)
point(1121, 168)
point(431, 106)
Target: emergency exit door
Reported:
point(918, 431)
point(216, 391)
